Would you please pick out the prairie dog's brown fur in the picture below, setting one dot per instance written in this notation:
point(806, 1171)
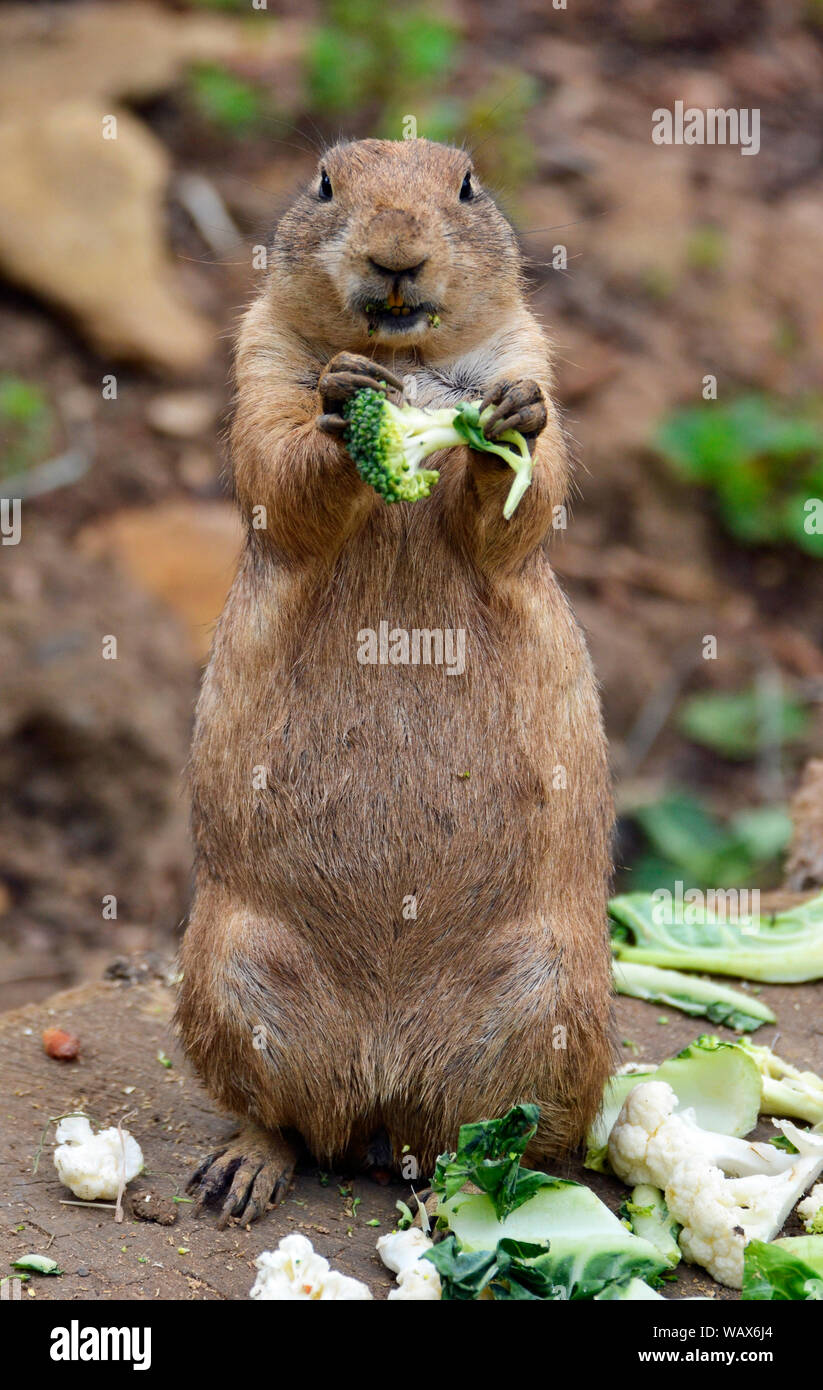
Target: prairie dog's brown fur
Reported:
point(309, 1001)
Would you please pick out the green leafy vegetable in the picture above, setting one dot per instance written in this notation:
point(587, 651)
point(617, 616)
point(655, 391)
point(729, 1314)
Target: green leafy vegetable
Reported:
point(635, 1291)
point(516, 1269)
point(790, 1269)
point(785, 1089)
point(389, 443)
point(526, 1235)
point(692, 995)
point(718, 1080)
point(786, 948)
point(648, 1216)
point(589, 1248)
point(488, 1154)
point(37, 1264)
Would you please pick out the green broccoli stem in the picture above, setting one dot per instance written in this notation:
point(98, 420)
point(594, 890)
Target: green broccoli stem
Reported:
point(469, 423)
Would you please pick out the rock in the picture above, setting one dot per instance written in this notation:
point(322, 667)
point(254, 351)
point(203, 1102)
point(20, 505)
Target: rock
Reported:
point(86, 51)
point(83, 226)
point(182, 553)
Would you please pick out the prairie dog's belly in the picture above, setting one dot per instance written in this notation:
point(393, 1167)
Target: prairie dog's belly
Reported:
point(395, 761)
point(401, 788)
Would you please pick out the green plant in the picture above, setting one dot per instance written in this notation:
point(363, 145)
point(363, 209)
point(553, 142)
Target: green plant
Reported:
point(739, 723)
point(367, 52)
point(26, 425)
point(491, 122)
point(706, 248)
point(227, 101)
point(686, 843)
point(762, 465)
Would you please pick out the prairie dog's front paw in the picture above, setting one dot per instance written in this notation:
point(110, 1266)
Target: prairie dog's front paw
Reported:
point(518, 405)
point(345, 375)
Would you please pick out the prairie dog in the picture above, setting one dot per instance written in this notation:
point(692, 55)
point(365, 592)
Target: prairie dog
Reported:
point(399, 922)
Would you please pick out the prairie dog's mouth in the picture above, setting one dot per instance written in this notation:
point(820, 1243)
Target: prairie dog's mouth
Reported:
point(394, 314)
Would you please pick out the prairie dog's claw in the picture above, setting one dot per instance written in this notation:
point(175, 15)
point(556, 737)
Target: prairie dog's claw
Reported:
point(519, 405)
point(348, 373)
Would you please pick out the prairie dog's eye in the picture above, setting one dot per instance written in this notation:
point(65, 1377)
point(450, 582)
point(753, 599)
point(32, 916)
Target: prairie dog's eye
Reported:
point(325, 186)
point(466, 189)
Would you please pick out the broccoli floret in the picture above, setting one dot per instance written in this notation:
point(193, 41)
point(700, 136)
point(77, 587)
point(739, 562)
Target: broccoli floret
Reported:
point(388, 443)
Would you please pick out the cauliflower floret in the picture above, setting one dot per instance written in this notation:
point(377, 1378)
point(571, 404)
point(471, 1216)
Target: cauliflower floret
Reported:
point(402, 1249)
point(419, 1281)
point(720, 1215)
point(811, 1210)
point(702, 1200)
point(295, 1271)
point(403, 1252)
point(648, 1141)
point(93, 1165)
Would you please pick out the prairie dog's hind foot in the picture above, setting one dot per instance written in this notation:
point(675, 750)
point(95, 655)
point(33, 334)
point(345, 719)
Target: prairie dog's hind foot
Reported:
point(254, 1167)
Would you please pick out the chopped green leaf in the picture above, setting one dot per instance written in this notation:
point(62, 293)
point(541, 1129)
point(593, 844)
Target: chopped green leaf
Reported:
point(37, 1264)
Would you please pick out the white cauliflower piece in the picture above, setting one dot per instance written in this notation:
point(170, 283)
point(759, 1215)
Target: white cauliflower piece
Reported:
point(419, 1281)
point(649, 1140)
point(403, 1252)
point(295, 1272)
point(93, 1165)
point(705, 1204)
point(719, 1215)
point(402, 1249)
point(811, 1211)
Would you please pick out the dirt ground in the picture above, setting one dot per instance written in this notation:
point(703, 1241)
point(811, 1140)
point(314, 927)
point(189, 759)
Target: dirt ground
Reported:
point(124, 1030)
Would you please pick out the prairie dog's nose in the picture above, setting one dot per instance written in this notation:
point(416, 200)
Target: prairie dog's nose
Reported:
point(395, 272)
point(396, 244)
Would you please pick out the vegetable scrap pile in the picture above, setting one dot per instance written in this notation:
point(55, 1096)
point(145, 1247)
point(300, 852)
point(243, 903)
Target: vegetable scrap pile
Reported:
point(675, 1134)
point(700, 1192)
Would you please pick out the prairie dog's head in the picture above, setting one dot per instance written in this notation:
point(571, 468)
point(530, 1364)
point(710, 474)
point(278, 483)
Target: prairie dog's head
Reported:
point(396, 244)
